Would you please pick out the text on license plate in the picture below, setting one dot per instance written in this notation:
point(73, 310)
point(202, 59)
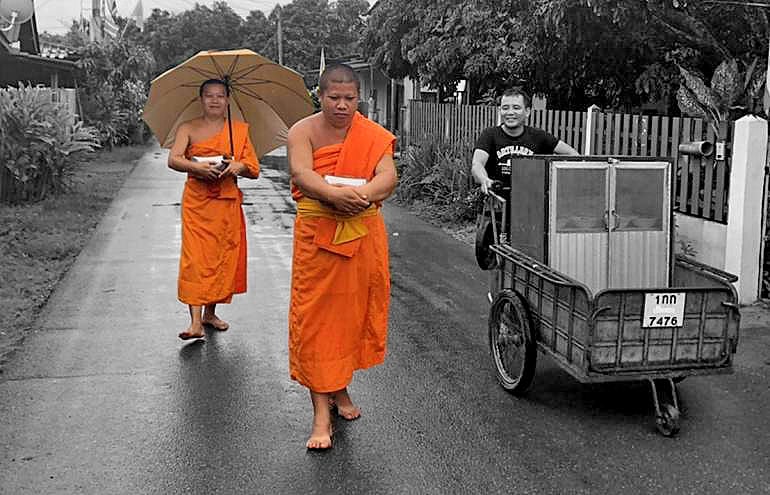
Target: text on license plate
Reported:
point(663, 309)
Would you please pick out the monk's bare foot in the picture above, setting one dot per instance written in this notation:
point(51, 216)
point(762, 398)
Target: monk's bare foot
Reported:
point(192, 332)
point(345, 406)
point(320, 437)
point(216, 322)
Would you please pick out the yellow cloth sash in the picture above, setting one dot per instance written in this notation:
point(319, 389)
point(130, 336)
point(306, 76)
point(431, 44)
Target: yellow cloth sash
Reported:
point(348, 228)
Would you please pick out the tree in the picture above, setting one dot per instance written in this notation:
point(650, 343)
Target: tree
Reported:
point(439, 41)
point(113, 80)
point(610, 52)
point(347, 22)
point(309, 25)
point(260, 35)
point(162, 37)
point(174, 38)
point(733, 92)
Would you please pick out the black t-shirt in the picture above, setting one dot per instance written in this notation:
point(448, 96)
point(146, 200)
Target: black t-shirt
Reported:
point(501, 147)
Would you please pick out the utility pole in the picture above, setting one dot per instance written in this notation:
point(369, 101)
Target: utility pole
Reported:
point(96, 18)
point(280, 36)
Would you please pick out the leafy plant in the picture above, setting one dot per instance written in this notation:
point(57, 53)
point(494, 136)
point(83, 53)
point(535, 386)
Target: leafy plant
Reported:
point(113, 80)
point(435, 176)
point(734, 91)
point(39, 139)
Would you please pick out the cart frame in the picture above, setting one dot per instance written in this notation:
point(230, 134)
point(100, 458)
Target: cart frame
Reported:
point(599, 337)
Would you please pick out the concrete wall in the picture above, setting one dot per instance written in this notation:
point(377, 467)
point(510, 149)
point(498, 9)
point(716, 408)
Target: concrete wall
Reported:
point(378, 107)
point(708, 239)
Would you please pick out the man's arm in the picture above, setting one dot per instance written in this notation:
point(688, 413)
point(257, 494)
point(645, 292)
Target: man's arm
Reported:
point(383, 183)
point(300, 151)
point(478, 171)
point(563, 148)
point(177, 161)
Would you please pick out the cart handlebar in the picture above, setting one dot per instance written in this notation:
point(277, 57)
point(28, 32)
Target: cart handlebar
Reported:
point(496, 191)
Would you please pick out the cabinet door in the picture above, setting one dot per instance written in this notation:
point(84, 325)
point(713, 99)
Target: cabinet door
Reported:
point(578, 244)
point(639, 247)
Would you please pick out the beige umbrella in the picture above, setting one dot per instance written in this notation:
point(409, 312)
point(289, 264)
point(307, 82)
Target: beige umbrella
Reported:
point(268, 96)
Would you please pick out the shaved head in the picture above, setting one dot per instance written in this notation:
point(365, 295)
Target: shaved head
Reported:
point(338, 73)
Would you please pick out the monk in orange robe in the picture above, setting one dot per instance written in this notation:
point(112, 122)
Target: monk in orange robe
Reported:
point(341, 170)
point(212, 266)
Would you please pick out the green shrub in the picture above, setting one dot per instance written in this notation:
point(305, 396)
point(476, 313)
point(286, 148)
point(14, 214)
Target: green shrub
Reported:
point(113, 90)
point(39, 139)
point(435, 177)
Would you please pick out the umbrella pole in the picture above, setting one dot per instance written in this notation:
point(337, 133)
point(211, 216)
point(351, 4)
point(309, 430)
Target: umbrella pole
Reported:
point(230, 129)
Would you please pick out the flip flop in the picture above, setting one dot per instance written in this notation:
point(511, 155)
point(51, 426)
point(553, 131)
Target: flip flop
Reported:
point(190, 336)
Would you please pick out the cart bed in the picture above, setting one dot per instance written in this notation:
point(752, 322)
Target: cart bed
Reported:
point(601, 338)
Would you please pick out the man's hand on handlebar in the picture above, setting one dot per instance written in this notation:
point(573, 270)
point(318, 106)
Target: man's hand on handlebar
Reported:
point(486, 185)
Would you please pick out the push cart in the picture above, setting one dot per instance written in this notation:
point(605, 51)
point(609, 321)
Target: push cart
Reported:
point(584, 270)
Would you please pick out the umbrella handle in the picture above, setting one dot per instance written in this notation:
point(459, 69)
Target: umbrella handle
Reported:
point(230, 129)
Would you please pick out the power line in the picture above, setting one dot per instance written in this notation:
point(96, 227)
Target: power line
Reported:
point(43, 4)
point(738, 2)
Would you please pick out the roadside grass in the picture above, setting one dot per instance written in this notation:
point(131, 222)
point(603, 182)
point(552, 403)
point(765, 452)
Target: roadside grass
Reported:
point(435, 184)
point(40, 241)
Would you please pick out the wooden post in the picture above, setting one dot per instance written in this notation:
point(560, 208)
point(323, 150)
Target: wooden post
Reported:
point(643, 135)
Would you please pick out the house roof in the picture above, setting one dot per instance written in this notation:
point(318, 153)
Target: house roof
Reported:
point(374, 6)
point(356, 62)
point(26, 63)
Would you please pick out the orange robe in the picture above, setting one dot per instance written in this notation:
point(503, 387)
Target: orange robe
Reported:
point(338, 315)
point(212, 266)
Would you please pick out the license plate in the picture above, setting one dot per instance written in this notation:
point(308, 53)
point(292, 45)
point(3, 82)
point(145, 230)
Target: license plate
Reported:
point(663, 309)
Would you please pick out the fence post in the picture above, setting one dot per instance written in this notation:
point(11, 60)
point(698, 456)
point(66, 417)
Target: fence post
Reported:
point(590, 129)
point(447, 124)
point(644, 135)
point(745, 212)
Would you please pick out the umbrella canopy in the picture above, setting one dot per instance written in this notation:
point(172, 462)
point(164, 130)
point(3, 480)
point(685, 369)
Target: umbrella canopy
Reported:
point(270, 97)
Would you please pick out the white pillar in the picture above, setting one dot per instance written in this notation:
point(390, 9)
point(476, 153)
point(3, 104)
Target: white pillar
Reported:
point(745, 209)
point(589, 130)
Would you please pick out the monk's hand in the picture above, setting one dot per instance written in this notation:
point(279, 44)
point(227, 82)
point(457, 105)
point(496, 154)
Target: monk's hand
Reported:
point(233, 169)
point(207, 171)
point(347, 200)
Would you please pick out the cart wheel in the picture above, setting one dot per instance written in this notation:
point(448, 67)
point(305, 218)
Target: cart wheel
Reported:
point(486, 259)
point(668, 420)
point(512, 342)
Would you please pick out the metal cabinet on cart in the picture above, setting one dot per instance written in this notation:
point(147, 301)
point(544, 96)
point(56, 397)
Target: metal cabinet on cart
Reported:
point(603, 221)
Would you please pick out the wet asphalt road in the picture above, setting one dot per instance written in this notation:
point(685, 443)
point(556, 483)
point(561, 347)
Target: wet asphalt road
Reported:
point(103, 398)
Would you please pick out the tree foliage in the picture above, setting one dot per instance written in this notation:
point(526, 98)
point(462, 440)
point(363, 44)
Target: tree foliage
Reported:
point(733, 92)
point(113, 80)
point(610, 52)
point(172, 38)
point(306, 26)
point(39, 140)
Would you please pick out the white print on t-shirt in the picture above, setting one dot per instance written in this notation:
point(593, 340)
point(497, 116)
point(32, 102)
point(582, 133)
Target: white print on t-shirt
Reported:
point(514, 150)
